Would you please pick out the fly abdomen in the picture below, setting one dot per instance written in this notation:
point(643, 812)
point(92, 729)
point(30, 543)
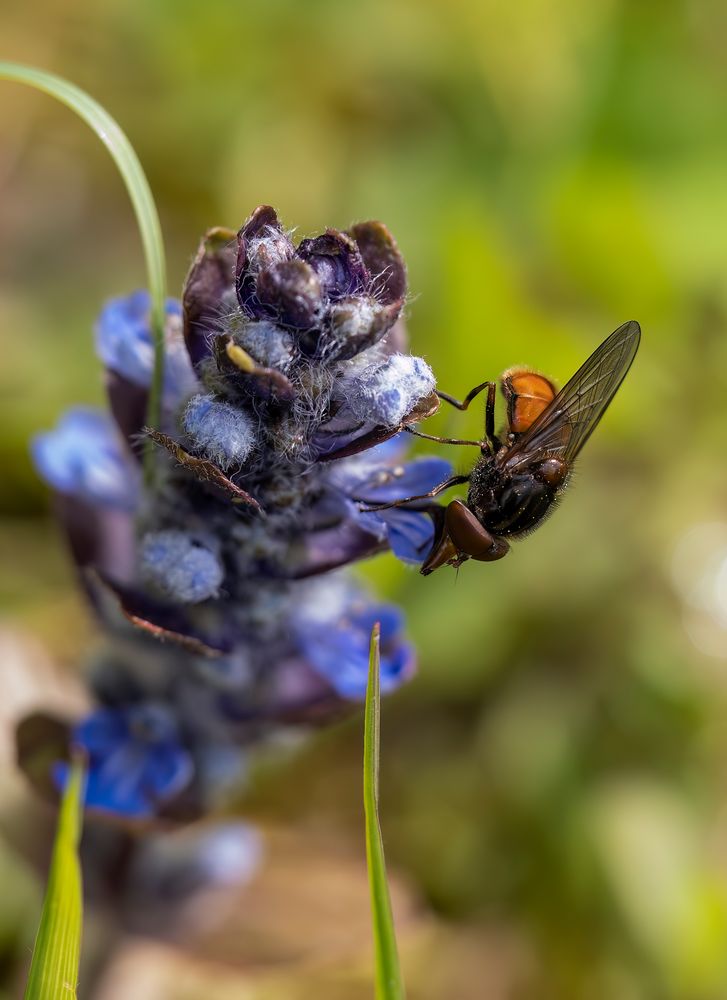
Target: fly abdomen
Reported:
point(519, 506)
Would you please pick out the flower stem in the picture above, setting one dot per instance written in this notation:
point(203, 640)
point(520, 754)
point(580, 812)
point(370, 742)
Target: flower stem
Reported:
point(127, 162)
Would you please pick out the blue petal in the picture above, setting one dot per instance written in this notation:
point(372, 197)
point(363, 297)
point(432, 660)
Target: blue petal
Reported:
point(167, 771)
point(339, 651)
point(135, 763)
point(101, 733)
point(411, 479)
point(125, 345)
point(389, 616)
point(123, 337)
point(115, 784)
point(410, 533)
point(397, 666)
point(84, 457)
point(106, 794)
point(352, 670)
point(329, 651)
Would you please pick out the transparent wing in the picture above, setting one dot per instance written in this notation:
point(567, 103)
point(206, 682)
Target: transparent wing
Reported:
point(565, 425)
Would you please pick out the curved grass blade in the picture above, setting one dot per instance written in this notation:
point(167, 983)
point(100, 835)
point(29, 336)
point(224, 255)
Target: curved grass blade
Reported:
point(137, 186)
point(54, 967)
point(389, 984)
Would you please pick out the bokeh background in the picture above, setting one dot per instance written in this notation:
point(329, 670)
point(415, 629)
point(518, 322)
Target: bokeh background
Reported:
point(554, 790)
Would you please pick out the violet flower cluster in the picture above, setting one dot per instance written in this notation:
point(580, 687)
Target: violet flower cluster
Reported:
point(222, 586)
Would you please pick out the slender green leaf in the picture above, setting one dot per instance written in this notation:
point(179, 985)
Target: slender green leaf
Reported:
point(54, 966)
point(127, 162)
point(389, 984)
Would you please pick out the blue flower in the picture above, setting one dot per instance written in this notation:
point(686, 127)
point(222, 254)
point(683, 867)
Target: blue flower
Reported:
point(410, 533)
point(124, 344)
point(335, 640)
point(300, 373)
point(84, 457)
point(135, 760)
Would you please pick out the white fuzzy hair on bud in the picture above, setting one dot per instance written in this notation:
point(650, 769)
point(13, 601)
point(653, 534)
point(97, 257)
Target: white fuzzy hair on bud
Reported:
point(179, 566)
point(223, 432)
point(266, 251)
point(271, 346)
point(383, 393)
point(353, 317)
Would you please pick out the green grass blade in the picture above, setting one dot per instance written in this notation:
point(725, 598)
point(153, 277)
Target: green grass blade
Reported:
point(147, 217)
point(389, 984)
point(54, 966)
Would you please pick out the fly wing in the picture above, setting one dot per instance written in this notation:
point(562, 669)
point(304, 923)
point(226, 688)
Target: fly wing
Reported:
point(565, 425)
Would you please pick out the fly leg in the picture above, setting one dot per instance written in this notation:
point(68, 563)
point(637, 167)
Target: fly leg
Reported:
point(442, 440)
point(491, 444)
point(464, 404)
point(439, 488)
point(490, 435)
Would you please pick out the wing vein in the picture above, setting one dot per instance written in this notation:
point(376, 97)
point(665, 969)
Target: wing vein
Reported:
point(565, 425)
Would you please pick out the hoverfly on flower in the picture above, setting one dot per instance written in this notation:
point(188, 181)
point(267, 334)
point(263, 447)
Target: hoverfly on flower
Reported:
point(522, 471)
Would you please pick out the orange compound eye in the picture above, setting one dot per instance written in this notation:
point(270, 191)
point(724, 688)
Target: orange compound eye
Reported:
point(527, 394)
point(471, 537)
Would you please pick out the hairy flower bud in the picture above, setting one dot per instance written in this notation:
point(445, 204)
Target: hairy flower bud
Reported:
point(336, 260)
point(208, 290)
point(179, 566)
point(225, 434)
point(290, 293)
point(384, 393)
point(382, 259)
point(341, 291)
point(268, 344)
point(261, 244)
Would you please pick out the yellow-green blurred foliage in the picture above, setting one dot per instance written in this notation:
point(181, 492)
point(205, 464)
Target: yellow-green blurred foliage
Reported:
point(550, 169)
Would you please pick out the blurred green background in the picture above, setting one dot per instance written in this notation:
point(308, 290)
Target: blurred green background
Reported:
point(554, 792)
